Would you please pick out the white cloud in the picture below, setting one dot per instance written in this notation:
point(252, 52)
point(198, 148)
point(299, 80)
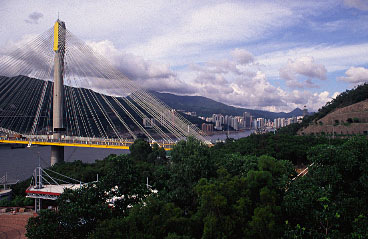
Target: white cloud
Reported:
point(135, 67)
point(30, 56)
point(248, 87)
point(34, 57)
point(224, 80)
point(304, 66)
point(242, 56)
point(148, 40)
point(313, 101)
point(333, 57)
point(358, 4)
point(146, 74)
point(235, 80)
point(203, 27)
point(318, 99)
point(355, 75)
point(334, 95)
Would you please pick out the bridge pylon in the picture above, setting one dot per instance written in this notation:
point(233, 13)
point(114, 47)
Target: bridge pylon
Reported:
point(57, 152)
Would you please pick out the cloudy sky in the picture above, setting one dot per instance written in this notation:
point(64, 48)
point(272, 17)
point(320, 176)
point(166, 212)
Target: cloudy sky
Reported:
point(271, 55)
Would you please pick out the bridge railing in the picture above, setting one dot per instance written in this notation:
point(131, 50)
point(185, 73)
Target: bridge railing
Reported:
point(85, 141)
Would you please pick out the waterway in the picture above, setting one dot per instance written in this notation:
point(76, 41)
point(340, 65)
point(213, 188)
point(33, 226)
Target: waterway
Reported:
point(232, 134)
point(19, 163)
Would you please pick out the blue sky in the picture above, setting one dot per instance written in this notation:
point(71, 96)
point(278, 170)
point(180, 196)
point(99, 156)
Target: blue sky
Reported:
point(271, 55)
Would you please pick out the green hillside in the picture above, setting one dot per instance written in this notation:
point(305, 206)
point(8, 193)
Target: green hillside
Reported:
point(344, 99)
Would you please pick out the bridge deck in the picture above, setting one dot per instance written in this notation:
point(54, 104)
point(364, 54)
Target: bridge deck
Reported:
point(86, 144)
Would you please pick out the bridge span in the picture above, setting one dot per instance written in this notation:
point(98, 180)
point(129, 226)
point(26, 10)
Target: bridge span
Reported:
point(72, 141)
point(57, 84)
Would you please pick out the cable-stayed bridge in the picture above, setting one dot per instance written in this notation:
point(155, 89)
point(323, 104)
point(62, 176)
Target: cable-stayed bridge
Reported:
point(56, 90)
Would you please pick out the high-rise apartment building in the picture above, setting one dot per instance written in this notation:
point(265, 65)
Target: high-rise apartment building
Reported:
point(207, 128)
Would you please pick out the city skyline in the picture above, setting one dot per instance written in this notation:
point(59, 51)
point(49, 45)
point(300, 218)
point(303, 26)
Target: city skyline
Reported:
point(259, 55)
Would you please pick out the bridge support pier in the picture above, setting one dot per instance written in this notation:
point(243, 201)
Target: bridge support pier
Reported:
point(57, 154)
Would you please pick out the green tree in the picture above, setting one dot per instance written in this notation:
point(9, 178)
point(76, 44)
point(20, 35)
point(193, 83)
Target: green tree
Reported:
point(333, 194)
point(224, 205)
point(78, 214)
point(124, 184)
point(46, 225)
point(140, 150)
point(158, 155)
point(360, 225)
point(152, 219)
point(79, 211)
point(191, 161)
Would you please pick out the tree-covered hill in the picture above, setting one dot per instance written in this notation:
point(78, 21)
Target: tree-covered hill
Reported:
point(228, 191)
point(344, 99)
point(347, 98)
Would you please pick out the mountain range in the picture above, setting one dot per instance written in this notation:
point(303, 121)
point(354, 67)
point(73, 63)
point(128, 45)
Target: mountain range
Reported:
point(20, 97)
point(206, 107)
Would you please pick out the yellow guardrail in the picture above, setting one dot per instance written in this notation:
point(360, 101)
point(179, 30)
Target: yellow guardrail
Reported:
point(88, 144)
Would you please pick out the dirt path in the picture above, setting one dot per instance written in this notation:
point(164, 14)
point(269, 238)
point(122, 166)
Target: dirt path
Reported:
point(13, 226)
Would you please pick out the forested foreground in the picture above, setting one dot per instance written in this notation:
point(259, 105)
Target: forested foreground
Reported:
point(239, 189)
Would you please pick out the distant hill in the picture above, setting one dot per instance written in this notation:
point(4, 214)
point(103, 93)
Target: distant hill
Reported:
point(20, 97)
point(206, 107)
point(342, 122)
point(345, 115)
point(344, 99)
point(20, 100)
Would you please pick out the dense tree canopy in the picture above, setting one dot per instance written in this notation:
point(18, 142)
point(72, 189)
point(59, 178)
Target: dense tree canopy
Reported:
point(238, 189)
point(333, 196)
